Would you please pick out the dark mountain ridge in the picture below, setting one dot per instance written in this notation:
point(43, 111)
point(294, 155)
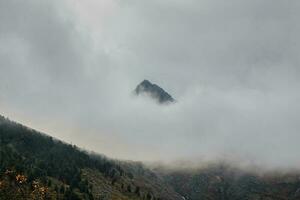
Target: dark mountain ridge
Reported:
point(51, 169)
point(154, 91)
point(36, 166)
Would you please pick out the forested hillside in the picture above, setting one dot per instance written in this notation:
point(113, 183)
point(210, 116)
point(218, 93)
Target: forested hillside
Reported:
point(36, 166)
point(226, 182)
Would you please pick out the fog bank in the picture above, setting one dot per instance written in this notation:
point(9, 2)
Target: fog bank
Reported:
point(69, 67)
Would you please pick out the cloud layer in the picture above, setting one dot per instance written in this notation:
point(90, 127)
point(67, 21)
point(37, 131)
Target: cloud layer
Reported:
point(69, 68)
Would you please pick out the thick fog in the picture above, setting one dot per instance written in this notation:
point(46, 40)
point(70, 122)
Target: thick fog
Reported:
point(69, 68)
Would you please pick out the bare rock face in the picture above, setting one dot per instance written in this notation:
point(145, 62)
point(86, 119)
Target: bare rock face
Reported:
point(154, 91)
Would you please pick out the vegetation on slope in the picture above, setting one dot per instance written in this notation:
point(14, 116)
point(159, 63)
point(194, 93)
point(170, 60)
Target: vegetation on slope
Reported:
point(224, 182)
point(36, 166)
point(63, 171)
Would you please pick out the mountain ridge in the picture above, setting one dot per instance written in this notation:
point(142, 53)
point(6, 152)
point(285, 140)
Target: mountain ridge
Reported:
point(52, 169)
point(33, 165)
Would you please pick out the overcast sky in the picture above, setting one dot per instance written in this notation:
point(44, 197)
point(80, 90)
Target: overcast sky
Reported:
point(68, 68)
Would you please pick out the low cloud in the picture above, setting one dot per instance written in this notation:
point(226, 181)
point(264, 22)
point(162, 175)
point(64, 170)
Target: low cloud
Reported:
point(68, 68)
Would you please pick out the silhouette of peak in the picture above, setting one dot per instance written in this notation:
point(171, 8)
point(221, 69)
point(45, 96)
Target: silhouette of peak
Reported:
point(154, 91)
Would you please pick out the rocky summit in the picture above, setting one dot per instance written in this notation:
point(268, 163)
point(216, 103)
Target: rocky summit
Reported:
point(154, 91)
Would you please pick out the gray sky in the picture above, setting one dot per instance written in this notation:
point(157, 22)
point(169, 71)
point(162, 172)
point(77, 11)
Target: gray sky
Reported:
point(69, 67)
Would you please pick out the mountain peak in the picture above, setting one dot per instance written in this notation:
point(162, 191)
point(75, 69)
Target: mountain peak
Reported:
point(154, 91)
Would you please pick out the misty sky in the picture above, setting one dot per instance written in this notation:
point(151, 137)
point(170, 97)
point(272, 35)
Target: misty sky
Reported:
point(68, 68)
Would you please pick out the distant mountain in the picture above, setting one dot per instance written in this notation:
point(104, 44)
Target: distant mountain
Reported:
point(225, 182)
point(154, 91)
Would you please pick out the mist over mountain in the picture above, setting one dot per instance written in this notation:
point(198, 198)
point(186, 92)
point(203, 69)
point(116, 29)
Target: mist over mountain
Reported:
point(154, 91)
point(222, 86)
point(34, 165)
